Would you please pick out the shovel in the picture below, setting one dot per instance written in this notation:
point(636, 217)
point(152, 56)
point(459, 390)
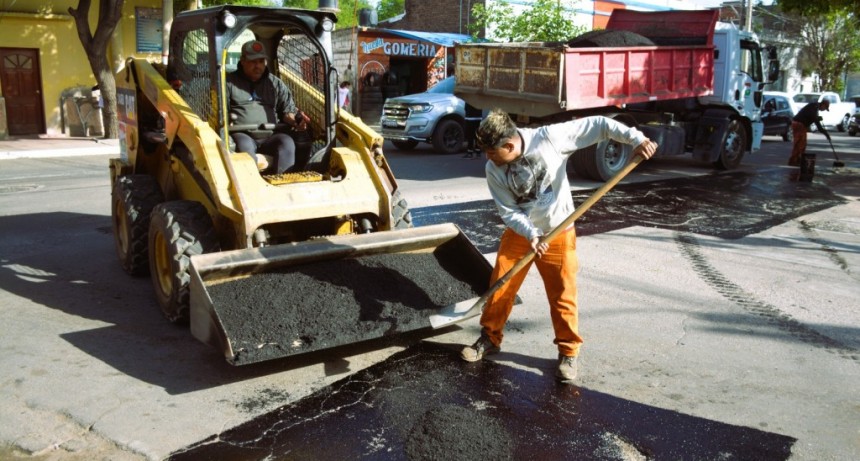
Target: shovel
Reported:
point(470, 308)
point(838, 163)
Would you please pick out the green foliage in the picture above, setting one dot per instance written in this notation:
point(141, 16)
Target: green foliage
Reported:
point(547, 21)
point(830, 46)
point(818, 8)
point(390, 8)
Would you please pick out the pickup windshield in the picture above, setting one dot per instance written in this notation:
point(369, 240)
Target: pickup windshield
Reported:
point(805, 98)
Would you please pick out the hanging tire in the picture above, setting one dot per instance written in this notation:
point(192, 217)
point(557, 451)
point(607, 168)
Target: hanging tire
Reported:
point(448, 137)
point(400, 212)
point(408, 144)
point(733, 147)
point(132, 200)
point(177, 231)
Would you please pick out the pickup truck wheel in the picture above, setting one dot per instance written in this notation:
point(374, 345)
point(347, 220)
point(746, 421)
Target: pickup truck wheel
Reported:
point(844, 124)
point(133, 198)
point(734, 145)
point(177, 231)
point(448, 137)
point(405, 145)
point(400, 212)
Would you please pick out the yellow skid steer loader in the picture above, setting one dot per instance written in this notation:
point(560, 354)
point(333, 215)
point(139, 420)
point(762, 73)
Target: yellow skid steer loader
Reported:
point(265, 265)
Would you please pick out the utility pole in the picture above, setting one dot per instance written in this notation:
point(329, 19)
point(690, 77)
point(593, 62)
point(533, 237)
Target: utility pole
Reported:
point(748, 15)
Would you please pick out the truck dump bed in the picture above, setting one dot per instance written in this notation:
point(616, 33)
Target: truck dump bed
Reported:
point(540, 79)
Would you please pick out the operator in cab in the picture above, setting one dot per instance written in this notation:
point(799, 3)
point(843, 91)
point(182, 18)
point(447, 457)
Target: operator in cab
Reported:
point(256, 96)
point(800, 125)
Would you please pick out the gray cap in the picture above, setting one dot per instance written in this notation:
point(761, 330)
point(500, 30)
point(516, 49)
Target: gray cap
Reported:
point(253, 50)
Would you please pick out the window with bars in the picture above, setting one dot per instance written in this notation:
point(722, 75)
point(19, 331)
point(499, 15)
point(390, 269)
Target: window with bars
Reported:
point(193, 71)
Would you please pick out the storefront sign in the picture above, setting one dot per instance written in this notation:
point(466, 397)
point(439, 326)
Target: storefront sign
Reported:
point(391, 47)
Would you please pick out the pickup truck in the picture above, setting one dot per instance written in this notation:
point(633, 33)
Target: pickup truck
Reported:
point(839, 113)
point(435, 116)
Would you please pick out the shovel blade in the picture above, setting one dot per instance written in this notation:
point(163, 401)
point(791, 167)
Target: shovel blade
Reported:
point(455, 313)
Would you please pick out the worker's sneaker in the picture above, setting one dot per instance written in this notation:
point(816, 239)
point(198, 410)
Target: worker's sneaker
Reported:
point(566, 368)
point(482, 347)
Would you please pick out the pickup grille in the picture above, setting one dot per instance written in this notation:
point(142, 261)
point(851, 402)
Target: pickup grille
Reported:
point(398, 112)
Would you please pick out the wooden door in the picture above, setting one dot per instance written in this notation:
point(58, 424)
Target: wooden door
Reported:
point(22, 89)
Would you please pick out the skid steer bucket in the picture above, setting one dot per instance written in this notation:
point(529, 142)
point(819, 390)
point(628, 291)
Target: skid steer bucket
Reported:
point(271, 302)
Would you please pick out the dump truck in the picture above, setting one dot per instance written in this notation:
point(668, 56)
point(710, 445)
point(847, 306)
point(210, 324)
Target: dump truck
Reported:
point(692, 84)
point(264, 265)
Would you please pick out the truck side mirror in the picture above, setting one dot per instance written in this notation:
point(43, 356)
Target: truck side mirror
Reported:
point(772, 70)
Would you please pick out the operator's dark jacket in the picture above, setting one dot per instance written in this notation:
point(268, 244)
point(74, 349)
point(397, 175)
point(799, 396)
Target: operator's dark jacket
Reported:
point(809, 115)
point(263, 101)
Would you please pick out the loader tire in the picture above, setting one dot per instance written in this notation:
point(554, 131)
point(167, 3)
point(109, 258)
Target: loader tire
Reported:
point(177, 231)
point(132, 201)
point(400, 211)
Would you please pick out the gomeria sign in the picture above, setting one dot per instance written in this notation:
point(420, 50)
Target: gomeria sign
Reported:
point(391, 47)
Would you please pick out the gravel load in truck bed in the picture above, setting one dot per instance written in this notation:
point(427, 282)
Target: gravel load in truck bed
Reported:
point(330, 303)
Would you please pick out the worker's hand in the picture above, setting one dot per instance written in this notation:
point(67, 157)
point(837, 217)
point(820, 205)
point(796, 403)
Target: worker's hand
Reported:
point(646, 149)
point(539, 247)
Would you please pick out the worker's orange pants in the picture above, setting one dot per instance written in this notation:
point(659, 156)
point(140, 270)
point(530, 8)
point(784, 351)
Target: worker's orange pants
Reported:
point(557, 267)
point(798, 130)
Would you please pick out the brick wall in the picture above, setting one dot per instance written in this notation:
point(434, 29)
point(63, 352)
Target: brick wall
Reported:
point(435, 16)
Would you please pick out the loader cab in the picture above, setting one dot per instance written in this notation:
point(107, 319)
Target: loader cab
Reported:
point(205, 46)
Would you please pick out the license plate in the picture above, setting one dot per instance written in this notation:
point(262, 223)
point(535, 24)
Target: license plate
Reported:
point(389, 124)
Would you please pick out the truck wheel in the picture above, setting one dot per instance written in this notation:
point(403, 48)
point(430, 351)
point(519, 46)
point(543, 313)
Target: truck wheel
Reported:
point(405, 145)
point(133, 198)
point(177, 231)
point(448, 137)
point(400, 212)
point(601, 161)
point(844, 124)
point(734, 145)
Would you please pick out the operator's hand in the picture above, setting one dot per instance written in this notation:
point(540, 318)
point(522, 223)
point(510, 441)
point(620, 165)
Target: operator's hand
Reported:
point(539, 247)
point(646, 149)
point(299, 120)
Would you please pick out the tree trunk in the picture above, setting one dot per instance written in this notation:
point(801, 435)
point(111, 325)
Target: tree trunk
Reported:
point(95, 45)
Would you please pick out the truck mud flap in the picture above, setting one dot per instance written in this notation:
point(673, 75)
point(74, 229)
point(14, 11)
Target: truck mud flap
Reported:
point(278, 301)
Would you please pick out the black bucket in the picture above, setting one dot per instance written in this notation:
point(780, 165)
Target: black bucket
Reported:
point(807, 167)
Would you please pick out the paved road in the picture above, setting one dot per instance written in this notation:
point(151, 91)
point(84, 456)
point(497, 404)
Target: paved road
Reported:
point(756, 332)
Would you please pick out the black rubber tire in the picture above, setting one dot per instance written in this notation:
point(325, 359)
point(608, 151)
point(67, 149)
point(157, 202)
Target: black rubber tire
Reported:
point(788, 135)
point(405, 144)
point(132, 200)
point(177, 231)
point(733, 147)
point(583, 162)
point(602, 161)
point(844, 124)
point(448, 137)
point(400, 211)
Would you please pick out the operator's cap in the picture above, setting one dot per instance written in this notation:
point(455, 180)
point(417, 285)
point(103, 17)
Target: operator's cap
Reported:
point(253, 50)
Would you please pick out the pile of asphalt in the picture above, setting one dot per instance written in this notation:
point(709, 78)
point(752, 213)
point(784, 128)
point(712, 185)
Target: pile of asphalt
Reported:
point(609, 39)
point(324, 304)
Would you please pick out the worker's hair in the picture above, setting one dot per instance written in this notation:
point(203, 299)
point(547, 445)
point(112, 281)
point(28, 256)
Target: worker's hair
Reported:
point(495, 130)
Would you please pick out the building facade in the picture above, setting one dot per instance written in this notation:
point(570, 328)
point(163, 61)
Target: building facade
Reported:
point(46, 83)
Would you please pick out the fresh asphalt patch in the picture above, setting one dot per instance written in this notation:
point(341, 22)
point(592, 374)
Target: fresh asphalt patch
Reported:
point(424, 403)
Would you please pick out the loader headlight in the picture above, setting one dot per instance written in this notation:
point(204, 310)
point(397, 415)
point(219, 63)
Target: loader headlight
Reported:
point(228, 19)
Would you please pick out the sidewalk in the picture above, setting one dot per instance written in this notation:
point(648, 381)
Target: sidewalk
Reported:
point(51, 146)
